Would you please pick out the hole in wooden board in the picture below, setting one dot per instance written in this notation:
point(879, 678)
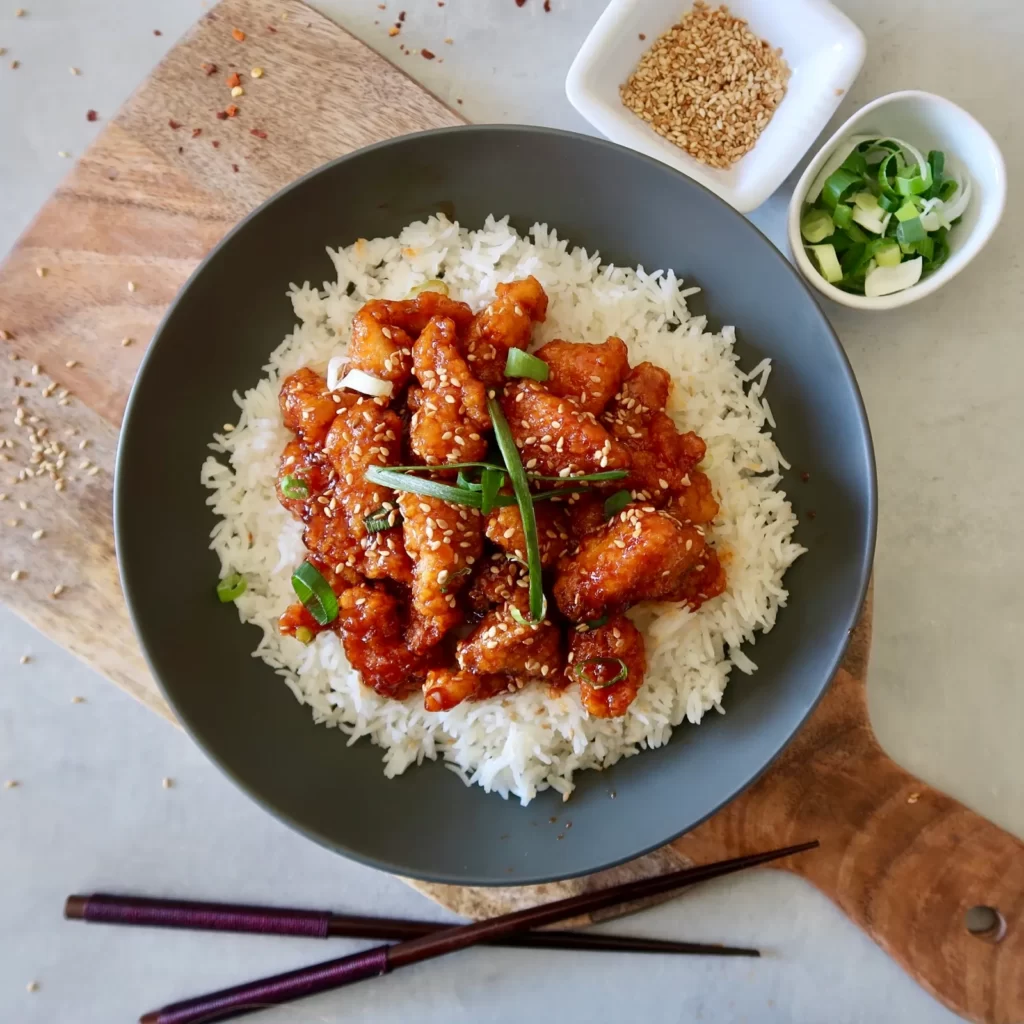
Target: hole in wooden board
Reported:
point(985, 923)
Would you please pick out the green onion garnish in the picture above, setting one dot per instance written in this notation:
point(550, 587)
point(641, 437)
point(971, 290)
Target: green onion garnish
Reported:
point(397, 481)
point(519, 617)
point(608, 474)
point(581, 670)
point(231, 588)
point(453, 576)
point(521, 487)
point(522, 364)
point(433, 285)
point(379, 519)
point(887, 204)
point(616, 503)
point(490, 484)
point(596, 623)
point(293, 487)
point(315, 593)
point(464, 481)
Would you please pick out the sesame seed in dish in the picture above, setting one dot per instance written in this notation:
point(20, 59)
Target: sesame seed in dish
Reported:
point(708, 85)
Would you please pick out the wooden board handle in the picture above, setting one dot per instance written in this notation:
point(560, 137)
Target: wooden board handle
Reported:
point(902, 860)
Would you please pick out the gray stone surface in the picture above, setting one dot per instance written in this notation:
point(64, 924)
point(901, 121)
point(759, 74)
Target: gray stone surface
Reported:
point(941, 384)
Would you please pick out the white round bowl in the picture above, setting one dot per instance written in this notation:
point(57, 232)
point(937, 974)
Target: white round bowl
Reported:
point(928, 122)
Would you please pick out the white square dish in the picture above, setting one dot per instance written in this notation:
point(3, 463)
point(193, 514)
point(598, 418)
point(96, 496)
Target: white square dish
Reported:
point(824, 51)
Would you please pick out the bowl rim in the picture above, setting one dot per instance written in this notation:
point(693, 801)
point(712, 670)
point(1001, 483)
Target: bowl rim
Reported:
point(122, 512)
point(606, 118)
point(974, 243)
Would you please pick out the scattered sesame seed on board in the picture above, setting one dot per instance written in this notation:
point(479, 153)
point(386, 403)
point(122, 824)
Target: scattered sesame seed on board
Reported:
point(41, 271)
point(75, 71)
point(256, 73)
point(20, 12)
point(132, 286)
point(18, 574)
point(237, 91)
point(77, 700)
point(71, 363)
point(167, 783)
point(32, 986)
point(708, 85)
point(57, 590)
point(125, 342)
point(25, 659)
point(10, 784)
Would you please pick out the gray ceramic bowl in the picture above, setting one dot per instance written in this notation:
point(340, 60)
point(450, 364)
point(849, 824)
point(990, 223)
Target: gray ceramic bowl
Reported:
point(216, 337)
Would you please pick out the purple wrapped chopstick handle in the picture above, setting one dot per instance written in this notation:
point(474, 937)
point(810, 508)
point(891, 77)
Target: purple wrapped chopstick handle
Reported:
point(281, 988)
point(205, 916)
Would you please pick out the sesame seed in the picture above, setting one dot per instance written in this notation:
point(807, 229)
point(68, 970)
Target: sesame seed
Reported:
point(71, 364)
point(237, 91)
point(38, 534)
point(256, 73)
point(132, 286)
point(32, 986)
point(11, 784)
point(77, 700)
point(18, 574)
point(57, 590)
point(75, 71)
point(25, 659)
point(167, 783)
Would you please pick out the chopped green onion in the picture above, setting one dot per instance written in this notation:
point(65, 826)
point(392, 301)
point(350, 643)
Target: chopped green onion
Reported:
point(828, 262)
point(910, 231)
point(887, 253)
point(490, 484)
point(433, 285)
point(453, 576)
point(231, 588)
point(937, 163)
point(379, 519)
point(816, 225)
point(397, 481)
point(315, 593)
point(464, 481)
point(947, 189)
point(855, 234)
point(522, 364)
point(304, 634)
point(856, 163)
point(519, 617)
point(842, 216)
point(293, 487)
point(839, 185)
point(908, 211)
point(924, 247)
point(581, 670)
point(435, 467)
point(616, 503)
point(888, 203)
point(596, 623)
point(521, 487)
point(914, 183)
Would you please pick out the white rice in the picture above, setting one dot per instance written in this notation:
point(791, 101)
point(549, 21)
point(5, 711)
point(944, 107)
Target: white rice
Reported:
point(524, 743)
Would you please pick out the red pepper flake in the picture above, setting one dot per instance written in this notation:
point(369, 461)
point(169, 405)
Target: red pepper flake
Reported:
point(258, 132)
point(394, 30)
point(210, 69)
point(234, 167)
point(238, 35)
point(91, 115)
point(428, 54)
point(642, 37)
point(272, 30)
point(519, 3)
point(547, 6)
point(181, 149)
point(233, 80)
point(196, 132)
point(401, 15)
point(157, 32)
point(231, 110)
point(174, 125)
point(440, 3)
point(805, 476)
point(459, 102)
point(215, 144)
point(222, 115)
point(811, 514)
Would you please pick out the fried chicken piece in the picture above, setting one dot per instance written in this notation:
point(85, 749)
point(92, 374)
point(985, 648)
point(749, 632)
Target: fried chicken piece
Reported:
point(661, 456)
point(697, 503)
point(307, 407)
point(364, 435)
point(450, 415)
point(641, 555)
point(497, 580)
point(373, 634)
point(505, 528)
point(444, 541)
point(305, 466)
point(597, 656)
point(705, 581)
point(499, 644)
point(590, 375)
point(383, 332)
point(446, 687)
point(586, 514)
point(506, 323)
point(554, 435)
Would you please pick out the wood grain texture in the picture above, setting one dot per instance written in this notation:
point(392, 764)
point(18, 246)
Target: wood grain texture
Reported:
point(144, 205)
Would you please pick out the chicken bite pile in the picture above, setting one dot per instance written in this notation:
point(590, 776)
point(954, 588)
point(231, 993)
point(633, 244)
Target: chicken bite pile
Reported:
point(434, 595)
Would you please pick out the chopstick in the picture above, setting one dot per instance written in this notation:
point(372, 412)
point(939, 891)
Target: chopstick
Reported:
point(322, 924)
point(306, 981)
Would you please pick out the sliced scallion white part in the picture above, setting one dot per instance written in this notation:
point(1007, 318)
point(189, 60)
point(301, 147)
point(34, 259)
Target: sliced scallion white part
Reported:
point(364, 383)
point(828, 262)
point(816, 226)
point(886, 280)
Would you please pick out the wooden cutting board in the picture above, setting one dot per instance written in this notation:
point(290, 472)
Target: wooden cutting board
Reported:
point(101, 263)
